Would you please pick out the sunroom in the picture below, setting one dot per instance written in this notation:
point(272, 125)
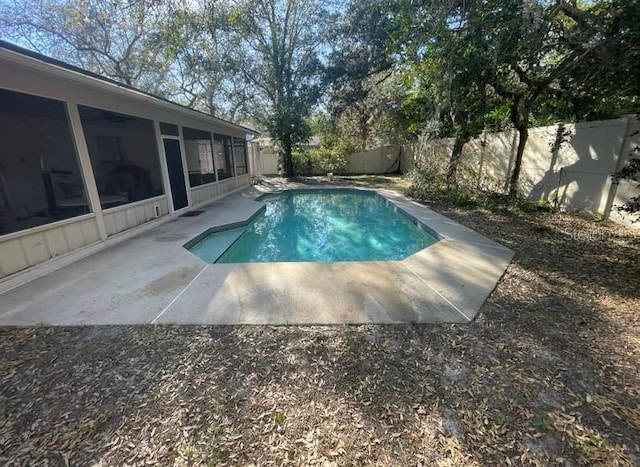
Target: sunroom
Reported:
point(84, 159)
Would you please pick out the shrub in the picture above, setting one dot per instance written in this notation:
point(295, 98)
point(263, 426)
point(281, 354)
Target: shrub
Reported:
point(428, 183)
point(428, 177)
point(303, 161)
point(427, 180)
point(330, 159)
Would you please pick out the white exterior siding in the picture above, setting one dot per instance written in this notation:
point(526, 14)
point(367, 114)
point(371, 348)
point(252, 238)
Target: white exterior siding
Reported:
point(204, 193)
point(24, 249)
point(128, 216)
point(21, 73)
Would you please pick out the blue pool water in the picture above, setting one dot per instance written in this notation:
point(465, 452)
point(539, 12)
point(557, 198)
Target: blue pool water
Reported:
point(318, 225)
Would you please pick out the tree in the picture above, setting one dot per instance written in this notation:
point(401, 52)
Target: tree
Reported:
point(360, 64)
point(606, 84)
point(117, 39)
point(543, 57)
point(282, 40)
point(206, 54)
point(445, 75)
point(531, 47)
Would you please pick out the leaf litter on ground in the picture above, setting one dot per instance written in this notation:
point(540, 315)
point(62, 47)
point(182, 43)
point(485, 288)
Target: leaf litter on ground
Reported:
point(547, 374)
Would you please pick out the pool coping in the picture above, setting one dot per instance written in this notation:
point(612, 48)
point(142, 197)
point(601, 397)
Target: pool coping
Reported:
point(153, 279)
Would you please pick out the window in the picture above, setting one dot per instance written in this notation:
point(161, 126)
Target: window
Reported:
point(199, 152)
point(169, 129)
point(40, 177)
point(240, 155)
point(223, 156)
point(124, 156)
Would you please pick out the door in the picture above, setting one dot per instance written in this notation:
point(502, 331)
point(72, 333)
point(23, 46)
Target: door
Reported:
point(176, 173)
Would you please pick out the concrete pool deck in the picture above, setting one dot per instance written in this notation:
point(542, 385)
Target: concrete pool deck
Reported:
point(152, 279)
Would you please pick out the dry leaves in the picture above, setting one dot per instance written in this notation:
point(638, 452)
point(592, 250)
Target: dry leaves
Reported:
point(547, 375)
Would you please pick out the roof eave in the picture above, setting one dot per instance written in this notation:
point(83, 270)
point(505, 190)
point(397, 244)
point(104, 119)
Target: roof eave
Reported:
point(64, 70)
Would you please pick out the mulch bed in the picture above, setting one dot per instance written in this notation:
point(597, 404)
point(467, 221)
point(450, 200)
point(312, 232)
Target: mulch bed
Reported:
point(549, 373)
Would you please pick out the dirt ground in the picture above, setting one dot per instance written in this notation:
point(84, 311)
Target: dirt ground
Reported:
point(548, 374)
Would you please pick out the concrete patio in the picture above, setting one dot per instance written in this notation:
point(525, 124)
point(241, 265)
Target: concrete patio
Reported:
point(152, 279)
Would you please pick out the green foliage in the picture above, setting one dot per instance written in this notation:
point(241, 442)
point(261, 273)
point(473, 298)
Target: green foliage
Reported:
point(497, 118)
point(303, 161)
point(393, 70)
point(335, 145)
point(429, 183)
point(544, 205)
point(359, 70)
point(525, 51)
point(427, 179)
point(330, 159)
point(281, 39)
point(606, 83)
point(461, 67)
point(278, 417)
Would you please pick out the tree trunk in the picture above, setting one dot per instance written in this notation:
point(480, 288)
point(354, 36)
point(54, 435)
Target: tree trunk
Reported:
point(287, 156)
point(364, 138)
point(523, 133)
point(455, 160)
point(364, 130)
point(520, 119)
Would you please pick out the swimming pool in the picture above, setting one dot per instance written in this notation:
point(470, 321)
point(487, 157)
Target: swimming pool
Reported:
point(317, 226)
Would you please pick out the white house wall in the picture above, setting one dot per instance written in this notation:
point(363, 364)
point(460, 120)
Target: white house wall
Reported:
point(203, 193)
point(228, 184)
point(128, 216)
point(24, 249)
point(243, 180)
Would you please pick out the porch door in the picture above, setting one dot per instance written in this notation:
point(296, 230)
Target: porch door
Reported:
point(176, 173)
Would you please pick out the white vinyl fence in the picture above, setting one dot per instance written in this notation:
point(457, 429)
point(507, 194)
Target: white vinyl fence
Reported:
point(575, 176)
point(381, 160)
point(385, 159)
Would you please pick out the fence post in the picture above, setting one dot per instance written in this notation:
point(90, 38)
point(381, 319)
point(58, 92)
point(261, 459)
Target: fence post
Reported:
point(611, 186)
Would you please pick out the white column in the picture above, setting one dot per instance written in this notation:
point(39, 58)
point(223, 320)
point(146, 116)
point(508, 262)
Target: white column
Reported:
point(213, 161)
point(185, 169)
point(166, 184)
point(233, 159)
point(90, 186)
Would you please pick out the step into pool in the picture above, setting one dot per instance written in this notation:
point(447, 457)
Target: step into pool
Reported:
point(317, 226)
